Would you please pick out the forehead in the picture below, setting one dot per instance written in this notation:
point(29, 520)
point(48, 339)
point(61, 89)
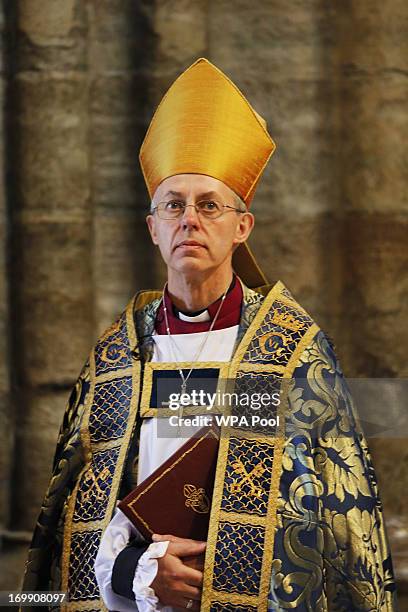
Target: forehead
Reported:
point(188, 185)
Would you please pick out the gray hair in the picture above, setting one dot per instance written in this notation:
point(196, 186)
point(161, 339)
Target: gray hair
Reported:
point(240, 204)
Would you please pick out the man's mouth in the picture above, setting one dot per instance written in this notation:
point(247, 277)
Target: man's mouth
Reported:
point(193, 244)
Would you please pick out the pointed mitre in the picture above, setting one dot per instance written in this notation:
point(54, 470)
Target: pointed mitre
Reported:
point(204, 125)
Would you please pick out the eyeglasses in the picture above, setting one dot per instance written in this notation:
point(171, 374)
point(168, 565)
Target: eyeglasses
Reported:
point(208, 209)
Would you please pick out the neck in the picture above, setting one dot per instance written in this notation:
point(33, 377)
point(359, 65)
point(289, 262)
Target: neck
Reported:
point(193, 294)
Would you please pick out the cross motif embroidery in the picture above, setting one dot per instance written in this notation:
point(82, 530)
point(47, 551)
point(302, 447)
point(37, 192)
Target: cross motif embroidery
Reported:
point(247, 478)
point(94, 484)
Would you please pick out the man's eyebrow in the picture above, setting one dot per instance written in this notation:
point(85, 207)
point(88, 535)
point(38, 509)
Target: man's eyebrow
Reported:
point(206, 194)
point(176, 194)
point(209, 194)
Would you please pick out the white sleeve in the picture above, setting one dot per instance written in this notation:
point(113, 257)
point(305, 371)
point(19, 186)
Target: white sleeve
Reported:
point(116, 537)
point(146, 571)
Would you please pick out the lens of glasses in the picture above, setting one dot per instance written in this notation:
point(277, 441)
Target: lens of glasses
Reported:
point(209, 208)
point(173, 209)
point(170, 210)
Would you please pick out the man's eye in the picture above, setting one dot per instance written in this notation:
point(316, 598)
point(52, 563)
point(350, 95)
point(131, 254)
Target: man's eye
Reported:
point(208, 205)
point(174, 205)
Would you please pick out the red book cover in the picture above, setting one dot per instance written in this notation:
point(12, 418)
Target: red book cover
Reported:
point(176, 498)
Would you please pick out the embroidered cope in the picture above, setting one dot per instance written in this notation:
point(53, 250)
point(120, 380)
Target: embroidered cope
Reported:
point(296, 520)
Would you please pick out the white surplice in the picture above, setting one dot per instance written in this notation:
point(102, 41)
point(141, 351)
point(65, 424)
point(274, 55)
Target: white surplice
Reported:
point(153, 451)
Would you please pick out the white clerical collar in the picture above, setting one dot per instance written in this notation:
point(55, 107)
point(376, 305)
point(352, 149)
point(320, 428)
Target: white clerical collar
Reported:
point(202, 317)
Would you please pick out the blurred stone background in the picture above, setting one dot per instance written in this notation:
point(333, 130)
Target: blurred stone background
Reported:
point(80, 80)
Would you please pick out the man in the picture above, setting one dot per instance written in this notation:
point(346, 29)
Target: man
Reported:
point(296, 521)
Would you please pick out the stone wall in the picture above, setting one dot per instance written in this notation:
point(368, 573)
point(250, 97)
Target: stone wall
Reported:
point(6, 425)
point(81, 81)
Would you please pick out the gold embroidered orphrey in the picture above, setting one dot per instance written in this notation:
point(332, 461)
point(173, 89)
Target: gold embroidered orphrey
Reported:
point(234, 514)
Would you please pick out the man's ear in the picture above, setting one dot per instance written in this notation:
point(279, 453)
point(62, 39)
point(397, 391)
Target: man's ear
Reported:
point(151, 224)
point(244, 227)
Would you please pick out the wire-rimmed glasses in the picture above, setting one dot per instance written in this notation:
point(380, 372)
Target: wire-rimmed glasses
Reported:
point(209, 209)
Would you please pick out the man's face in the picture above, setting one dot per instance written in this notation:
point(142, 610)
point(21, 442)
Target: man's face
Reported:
point(192, 243)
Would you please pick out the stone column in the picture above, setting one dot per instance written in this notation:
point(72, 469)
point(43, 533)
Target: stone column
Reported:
point(372, 83)
point(373, 132)
point(52, 298)
point(6, 429)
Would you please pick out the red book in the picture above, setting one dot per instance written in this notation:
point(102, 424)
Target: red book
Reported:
point(176, 498)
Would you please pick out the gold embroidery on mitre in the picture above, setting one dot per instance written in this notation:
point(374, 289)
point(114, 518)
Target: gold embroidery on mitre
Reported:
point(196, 499)
point(286, 320)
point(205, 125)
point(273, 342)
point(247, 478)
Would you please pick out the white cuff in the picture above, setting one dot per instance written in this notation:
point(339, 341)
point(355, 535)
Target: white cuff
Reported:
point(116, 537)
point(146, 572)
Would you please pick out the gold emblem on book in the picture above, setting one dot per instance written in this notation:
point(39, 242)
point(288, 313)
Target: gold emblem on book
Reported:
point(287, 321)
point(247, 478)
point(196, 499)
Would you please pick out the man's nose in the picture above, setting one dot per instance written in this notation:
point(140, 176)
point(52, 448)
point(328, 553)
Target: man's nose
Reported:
point(190, 217)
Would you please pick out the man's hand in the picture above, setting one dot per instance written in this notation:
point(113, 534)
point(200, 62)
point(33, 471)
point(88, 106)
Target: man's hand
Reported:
point(176, 583)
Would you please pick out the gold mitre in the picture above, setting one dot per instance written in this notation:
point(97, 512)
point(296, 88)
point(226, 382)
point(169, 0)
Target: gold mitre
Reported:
point(204, 125)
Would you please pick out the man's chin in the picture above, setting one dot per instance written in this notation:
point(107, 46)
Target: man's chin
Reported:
point(191, 265)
